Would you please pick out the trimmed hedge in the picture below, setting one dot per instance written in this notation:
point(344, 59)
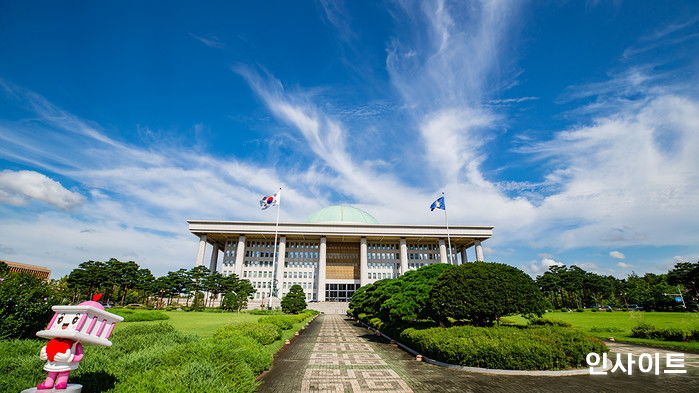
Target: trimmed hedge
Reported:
point(548, 322)
point(286, 322)
point(534, 348)
point(264, 333)
point(646, 330)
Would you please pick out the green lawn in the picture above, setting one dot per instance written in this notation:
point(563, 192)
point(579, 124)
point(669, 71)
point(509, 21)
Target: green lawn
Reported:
point(618, 324)
point(203, 324)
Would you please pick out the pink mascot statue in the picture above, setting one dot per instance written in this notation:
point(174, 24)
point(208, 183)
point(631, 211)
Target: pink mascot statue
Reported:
point(69, 329)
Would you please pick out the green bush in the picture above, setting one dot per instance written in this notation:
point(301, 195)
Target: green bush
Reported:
point(198, 302)
point(548, 322)
point(536, 348)
point(579, 310)
point(481, 292)
point(25, 305)
point(264, 333)
point(644, 330)
point(674, 334)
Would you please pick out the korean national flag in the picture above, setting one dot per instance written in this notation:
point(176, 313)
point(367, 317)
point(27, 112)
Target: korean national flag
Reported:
point(268, 201)
point(438, 204)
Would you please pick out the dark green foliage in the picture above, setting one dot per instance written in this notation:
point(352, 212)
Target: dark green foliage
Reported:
point(264, 333)
point(481, 292)
point(536, 348)
point(139, 315)
point(295, 301)
point(398, 302)
point(643, 330)
point(408, 298)
point(25, 305)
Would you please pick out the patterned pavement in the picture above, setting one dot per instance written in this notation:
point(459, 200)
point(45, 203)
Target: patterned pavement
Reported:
point(333, 355)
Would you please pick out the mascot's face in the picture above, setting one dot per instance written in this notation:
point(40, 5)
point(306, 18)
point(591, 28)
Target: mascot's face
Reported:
point(66, 321)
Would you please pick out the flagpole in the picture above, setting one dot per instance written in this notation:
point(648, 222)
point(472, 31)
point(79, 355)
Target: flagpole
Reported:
point(273, 287)
point(446, 221)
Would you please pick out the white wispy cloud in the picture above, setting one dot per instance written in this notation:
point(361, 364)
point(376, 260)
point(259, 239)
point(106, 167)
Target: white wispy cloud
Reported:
point(210, 41)
point(19, 187)
point(625, 265)
point(617, 254)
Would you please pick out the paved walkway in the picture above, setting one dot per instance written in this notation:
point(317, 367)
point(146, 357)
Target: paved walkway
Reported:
point(333, 355)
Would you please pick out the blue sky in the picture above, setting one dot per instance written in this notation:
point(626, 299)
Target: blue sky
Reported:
point(572, 127)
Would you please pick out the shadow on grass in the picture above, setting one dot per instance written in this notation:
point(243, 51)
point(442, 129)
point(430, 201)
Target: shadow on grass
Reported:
point(95, 382)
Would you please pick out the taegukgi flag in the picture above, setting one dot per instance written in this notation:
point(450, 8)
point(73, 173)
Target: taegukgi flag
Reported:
point(268, 201)
point(438, 204)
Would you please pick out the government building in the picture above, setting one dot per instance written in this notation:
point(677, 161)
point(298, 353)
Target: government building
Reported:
point(334, 252)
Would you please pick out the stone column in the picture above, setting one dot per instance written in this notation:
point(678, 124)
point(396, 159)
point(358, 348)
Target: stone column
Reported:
point(443, 258)
point(202, 249)
point(322, 256)
point(281, 251)
point(464, 255)
point(479, 251)
point(240, 256)
point(403, 256)
point(213, 264)
point(363, 262)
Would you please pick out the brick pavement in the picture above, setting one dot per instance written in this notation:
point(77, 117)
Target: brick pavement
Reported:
point(333, 355)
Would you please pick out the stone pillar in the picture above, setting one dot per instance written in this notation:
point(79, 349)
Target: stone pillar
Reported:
point(403, 256)
point(464, 255)
point(443, 258)
point(213, 264)
point(322, 256)
point(202, 249)
point(479, 251)
point(281, 251)
point(240, 256)
point(363, 262)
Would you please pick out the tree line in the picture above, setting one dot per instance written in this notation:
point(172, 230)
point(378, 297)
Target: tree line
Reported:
point(127, 283)
point(573, 287)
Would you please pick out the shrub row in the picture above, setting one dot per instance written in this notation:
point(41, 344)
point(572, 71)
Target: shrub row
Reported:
point(534, 348)
point(548, 322)
point(286, 322)
point(645, 330)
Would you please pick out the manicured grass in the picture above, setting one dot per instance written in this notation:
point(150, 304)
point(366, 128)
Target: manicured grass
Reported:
point(203, 324)
point(618, 324)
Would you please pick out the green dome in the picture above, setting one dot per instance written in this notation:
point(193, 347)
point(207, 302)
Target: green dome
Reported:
point(341, 214)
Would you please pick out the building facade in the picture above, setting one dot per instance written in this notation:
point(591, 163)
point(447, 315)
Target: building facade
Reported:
point(337, 250)
point(38, 271)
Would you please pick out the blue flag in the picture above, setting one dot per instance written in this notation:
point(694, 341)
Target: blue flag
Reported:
point(438, 204)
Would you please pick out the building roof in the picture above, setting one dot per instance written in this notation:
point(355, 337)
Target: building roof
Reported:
point(341, 214)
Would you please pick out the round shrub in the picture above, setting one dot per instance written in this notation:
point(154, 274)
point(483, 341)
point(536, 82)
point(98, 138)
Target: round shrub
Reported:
point(482, 292)
point(295, 301)
point(264, 333)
